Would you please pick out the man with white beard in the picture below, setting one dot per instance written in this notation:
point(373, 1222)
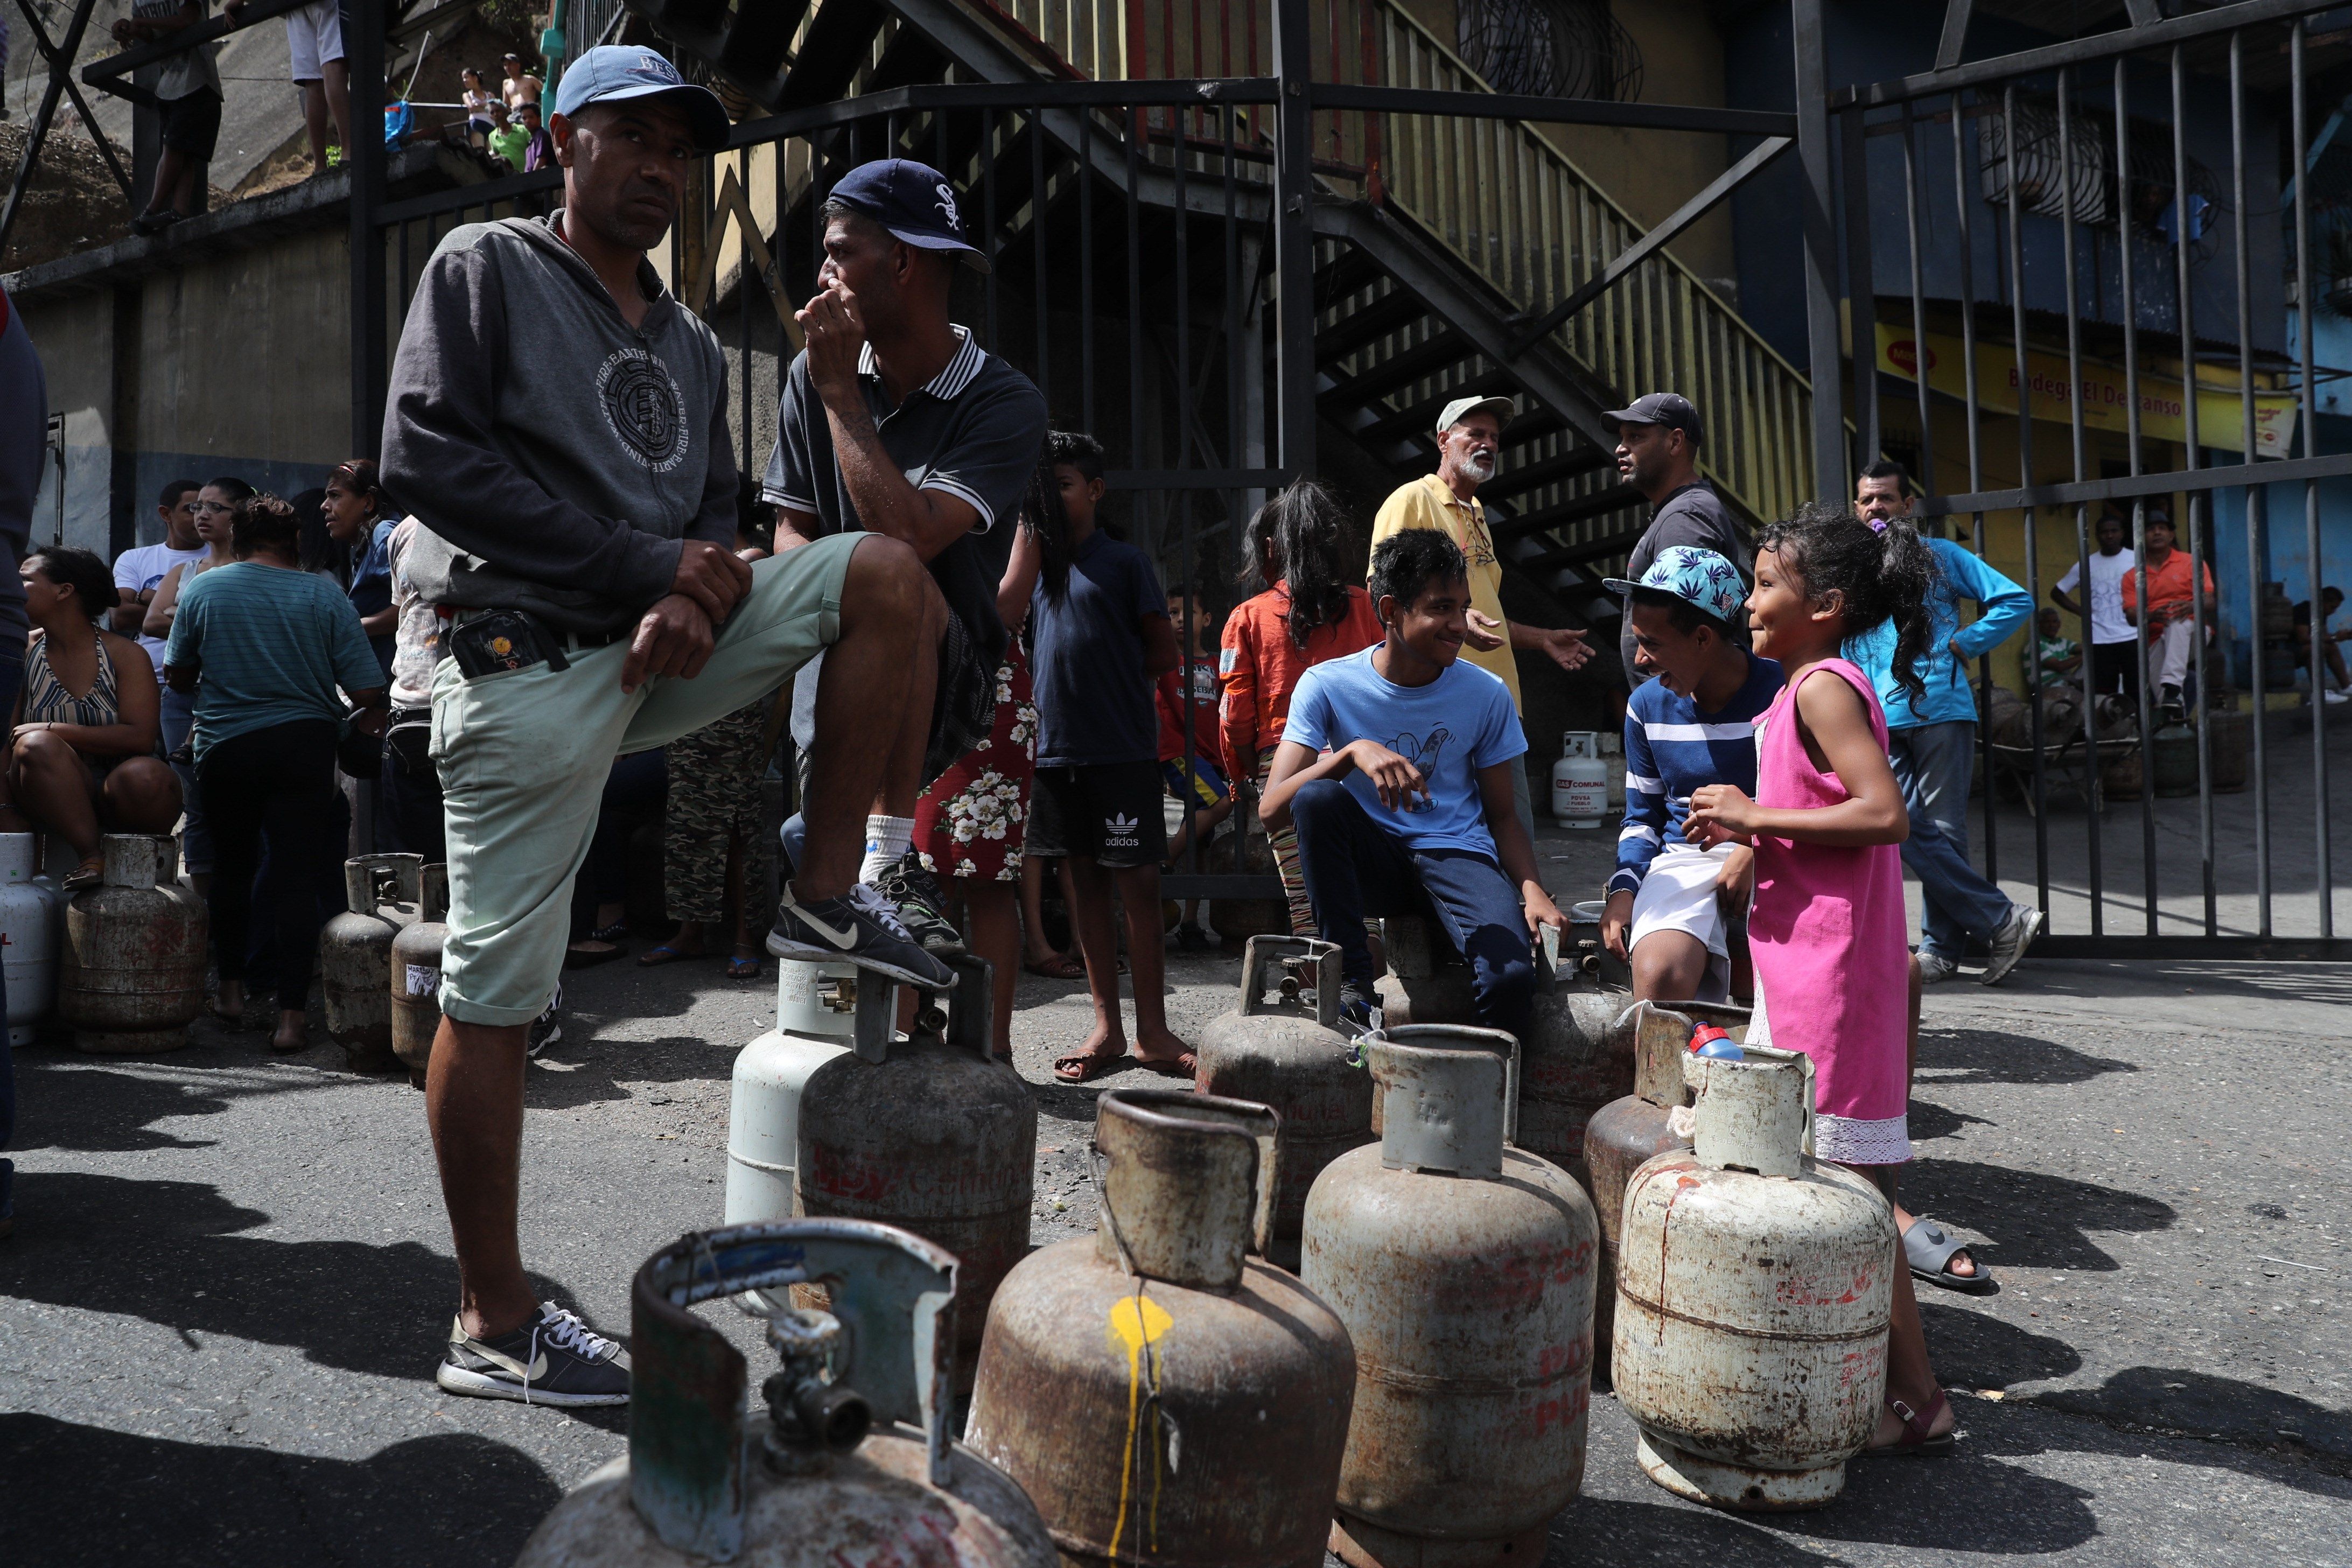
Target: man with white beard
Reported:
point(1469, 442)
point(1657, 454)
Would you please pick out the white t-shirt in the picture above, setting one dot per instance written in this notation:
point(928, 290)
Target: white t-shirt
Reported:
point(417, 634)
point(139, 571)
point(2107, 623)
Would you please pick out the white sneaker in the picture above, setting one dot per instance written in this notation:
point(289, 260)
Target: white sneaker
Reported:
point(1935, 968)
point(2010, 943)
point(2340, 697)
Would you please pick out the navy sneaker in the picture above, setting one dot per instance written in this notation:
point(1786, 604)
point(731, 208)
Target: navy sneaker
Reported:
point(547, 1029)
point(915, 893)
point(860, 928)
point(1356, 1004)
point(557, 1360)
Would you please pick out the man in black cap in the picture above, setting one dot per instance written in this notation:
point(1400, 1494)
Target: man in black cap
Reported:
point(1657, 454)
point(895, 420)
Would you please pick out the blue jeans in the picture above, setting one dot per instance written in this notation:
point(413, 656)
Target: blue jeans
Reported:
point(1354, 867)
point(178, 716)
point(1932, 764)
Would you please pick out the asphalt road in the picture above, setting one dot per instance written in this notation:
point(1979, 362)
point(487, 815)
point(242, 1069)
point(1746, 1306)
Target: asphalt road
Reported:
point(220, 1312)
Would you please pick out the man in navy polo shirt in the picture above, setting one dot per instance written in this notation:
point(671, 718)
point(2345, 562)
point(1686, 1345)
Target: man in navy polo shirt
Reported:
point(895, 420)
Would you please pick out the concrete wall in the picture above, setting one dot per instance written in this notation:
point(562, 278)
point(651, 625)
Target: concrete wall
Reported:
point(239, 363)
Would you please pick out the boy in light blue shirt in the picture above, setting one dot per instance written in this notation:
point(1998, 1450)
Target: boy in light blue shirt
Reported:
point(1395, 767)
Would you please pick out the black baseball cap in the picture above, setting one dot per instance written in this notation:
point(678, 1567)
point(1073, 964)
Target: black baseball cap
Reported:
point(1670, 409)
point(914, 201)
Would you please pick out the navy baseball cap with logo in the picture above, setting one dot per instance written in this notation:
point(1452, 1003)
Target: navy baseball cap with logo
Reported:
point(914, 201)
point(1670, 409)
point(616, 73)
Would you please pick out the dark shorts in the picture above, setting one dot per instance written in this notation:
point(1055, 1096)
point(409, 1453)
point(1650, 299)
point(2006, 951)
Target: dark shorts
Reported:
point(1206, 786)
point(192, 124)
point(1108, 812)
point(964, 710)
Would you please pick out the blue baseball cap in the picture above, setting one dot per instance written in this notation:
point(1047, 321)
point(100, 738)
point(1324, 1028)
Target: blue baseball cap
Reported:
point(1699, 577)
point(914, 201)
point(615, 73)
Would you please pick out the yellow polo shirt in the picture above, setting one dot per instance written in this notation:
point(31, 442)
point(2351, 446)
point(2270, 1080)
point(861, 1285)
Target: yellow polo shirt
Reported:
point(1429, 503)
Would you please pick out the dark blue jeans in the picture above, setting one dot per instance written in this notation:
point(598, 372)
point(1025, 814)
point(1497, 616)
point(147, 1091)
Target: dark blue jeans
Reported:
point(1354, 868)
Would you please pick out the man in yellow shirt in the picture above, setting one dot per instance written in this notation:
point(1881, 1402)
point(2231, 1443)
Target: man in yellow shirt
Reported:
point(1469, 444)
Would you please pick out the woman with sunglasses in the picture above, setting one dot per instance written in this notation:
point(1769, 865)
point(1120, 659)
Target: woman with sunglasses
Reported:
point(216, 509)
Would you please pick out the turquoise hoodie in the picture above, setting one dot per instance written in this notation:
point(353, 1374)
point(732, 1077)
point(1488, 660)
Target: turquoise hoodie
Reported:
point(2003, 607)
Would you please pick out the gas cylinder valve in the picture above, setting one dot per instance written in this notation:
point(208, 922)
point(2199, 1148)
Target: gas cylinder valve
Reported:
point(810, 1417)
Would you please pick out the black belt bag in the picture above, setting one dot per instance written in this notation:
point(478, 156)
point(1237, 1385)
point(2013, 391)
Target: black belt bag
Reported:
point(408, 741)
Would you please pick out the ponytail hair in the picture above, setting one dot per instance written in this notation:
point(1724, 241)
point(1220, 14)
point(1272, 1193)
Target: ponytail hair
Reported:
point(1043, 518)
point(1307, 531)
point(1880, 572)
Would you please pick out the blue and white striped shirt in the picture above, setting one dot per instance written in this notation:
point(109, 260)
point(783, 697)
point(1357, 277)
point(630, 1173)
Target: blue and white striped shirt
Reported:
point(1671, 749)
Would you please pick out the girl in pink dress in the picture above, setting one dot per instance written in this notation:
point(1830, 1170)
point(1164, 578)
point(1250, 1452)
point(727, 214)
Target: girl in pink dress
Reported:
point(1827, 930)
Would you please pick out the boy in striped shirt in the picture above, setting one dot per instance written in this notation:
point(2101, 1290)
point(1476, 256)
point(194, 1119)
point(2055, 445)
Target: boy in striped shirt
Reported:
point(1671, 904)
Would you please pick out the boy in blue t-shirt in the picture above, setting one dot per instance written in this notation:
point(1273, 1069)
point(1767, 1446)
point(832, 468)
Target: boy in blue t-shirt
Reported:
point(1672, 905)
point(1102, 637)
point(1395, 767)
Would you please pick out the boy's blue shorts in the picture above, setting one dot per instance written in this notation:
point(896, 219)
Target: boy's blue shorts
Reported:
point(1208, 785)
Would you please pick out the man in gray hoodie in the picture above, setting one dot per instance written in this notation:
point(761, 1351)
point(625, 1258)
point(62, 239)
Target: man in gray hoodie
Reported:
point(557, 425)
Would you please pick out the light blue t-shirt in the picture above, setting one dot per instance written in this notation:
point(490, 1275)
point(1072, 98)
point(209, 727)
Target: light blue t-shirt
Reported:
point(270, 645)
point(1449, 729)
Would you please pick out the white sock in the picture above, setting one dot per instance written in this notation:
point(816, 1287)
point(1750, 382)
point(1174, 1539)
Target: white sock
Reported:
point(888, 839)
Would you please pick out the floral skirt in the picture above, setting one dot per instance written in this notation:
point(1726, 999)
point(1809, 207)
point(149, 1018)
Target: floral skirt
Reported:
point(972, 820)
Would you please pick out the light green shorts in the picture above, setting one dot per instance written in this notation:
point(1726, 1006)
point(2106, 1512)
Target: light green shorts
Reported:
point(523, 755)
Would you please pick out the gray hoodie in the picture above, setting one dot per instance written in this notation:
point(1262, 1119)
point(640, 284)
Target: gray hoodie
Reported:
point(553, 455)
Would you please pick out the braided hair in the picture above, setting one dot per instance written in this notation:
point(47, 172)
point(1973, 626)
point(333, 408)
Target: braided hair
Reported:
point(1044, 520)
point(1880, 572)
point(1306, 530)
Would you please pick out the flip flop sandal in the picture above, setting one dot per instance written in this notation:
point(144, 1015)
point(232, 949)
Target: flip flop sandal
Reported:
point(86, 875)
point(1916, 1443)
point(577, 958)
point(655, 957)
point(1186, 1066)
point(1061, 966)
point(1927, 1247)
point(741, 968)
point(617, 933)
point(1091, 1065)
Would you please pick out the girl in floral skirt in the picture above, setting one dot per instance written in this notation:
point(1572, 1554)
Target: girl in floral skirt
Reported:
point(1827, 930)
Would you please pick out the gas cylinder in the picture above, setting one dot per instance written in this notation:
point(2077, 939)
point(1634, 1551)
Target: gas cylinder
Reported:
point(131, 974)
point(27, 933)
point(415, 967)
point(1464, 1272)
point(928, 1130)
point(1574, 1060)
point(1161, 1397)
point(1290, 1055)
point(381, 893)
point(1753, 1290)
point(842, 1457)
point(1625, 1132)
point(1580, 781)
point(816, 1006)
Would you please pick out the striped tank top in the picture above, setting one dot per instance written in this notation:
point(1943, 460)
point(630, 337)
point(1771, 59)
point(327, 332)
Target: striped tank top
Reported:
point(46, 700)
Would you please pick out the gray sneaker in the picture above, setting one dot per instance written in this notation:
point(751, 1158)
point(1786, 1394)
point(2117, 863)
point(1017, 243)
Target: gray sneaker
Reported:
point(2010, 943)
point(1935, 968)
point(557, 1360)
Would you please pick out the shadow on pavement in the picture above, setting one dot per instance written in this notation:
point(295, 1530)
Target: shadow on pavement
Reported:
point(1668, 1530)
point(109, 1104)
point(1984, 1056)
point(168, 1252)
point(2030, 1220)
point(81, 1495)
point(1929, 1120)
point(2203, 1406)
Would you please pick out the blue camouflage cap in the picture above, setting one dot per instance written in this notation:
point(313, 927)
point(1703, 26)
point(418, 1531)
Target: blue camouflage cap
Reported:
point(1699, 577)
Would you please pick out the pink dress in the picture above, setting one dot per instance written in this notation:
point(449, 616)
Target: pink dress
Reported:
point(1827, 935)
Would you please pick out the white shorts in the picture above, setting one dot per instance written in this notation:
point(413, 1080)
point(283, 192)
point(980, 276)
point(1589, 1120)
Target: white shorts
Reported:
point(314, 34)
point(1678, 894)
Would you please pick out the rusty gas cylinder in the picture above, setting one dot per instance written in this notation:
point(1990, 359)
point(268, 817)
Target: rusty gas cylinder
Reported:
point(381, 893)
point(1464, 1272)
point(1573, 1061)
point(842, 1460)
point(132, 972)
point(1292, 1057)
point(1753, 1290)
point(1160, 1396)
point(929, 1132)
point(415, 966)
point(1625, 1132)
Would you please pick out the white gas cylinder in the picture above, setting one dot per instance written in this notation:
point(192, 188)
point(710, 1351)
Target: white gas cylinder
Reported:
point(816, 1020)
point(28, 945)
point(1580, 781)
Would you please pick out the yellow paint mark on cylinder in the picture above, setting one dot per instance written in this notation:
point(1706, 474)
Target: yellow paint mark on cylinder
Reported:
point(1136, 1322)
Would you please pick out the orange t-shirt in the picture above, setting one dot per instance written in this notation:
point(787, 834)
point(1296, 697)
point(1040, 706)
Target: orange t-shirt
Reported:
point(2167, 588)
point(1260, 666)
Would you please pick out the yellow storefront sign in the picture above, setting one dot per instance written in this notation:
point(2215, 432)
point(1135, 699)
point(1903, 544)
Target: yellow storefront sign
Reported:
point(2105, 400)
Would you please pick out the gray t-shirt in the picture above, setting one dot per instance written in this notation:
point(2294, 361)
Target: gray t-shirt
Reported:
point(190, 70)
point(1693, 515)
